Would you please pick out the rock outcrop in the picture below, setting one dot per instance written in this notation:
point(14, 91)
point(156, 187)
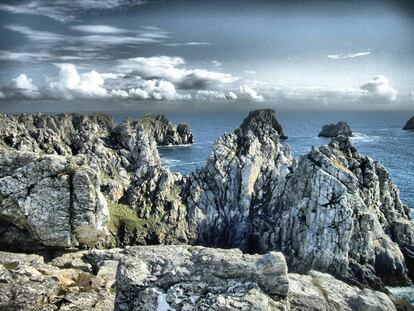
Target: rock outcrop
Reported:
point(409, 125)
point(338, 213)
point(242, 170)
point(60, 174)
point(335, 130)
point(166, 133)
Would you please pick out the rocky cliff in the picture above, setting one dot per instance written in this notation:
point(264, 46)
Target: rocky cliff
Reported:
point(61, 176)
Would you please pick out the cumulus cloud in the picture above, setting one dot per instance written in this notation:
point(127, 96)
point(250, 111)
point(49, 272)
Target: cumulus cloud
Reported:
point(156, 89)
point(173, 69)
point(71, 84)
point(215, 95)
point(379, 88)
point(349, 55)
point(249, 93)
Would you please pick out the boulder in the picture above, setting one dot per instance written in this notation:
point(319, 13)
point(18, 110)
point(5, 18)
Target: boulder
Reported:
point(334, 130)
point(28, 283)
point(196, 278)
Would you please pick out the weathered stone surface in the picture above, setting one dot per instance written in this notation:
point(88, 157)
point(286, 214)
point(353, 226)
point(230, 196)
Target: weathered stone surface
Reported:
point(334, 130)
point(49, 201)
point(196, 278)
point(322, 292)
point(112, 165)
point(28, 283)
point(242, 170)
point(409, 125)
point(337, 213)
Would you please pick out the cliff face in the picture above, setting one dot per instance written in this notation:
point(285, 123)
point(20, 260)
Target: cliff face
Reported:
point(240, 173)
point(62, 175)
point(337, 213)
point(335, 210)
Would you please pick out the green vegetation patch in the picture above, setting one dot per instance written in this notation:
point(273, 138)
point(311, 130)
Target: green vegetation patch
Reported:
point(123, 215)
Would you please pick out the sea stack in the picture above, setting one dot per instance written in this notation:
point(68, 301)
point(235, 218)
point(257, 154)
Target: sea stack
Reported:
point(334, 130)
point(409, 126)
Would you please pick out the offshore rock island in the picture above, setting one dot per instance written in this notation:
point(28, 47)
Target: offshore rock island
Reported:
point(77, 192)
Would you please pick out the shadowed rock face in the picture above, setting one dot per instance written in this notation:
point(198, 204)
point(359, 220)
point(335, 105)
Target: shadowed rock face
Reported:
point(409, 125)
point(335, 210)
point(335, 130)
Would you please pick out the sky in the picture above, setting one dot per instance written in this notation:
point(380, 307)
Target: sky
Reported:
point(287, 54)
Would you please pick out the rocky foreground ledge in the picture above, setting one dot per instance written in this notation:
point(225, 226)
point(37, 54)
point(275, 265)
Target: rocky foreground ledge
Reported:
point(74, 182)
point(173, 278)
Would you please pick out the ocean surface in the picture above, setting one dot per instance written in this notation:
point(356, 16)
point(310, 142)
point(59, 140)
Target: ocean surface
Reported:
point(377, 134)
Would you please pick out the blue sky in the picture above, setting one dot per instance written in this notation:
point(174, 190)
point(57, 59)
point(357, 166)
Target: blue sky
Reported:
point(303, 53)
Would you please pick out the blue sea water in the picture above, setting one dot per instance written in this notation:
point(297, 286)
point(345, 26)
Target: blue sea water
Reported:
point(377, 134)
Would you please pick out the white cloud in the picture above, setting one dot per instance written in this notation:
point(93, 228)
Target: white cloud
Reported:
point(250, 72)
point(173, 70)
point(99, 29)
point(249, 93)
point(215, 95)
point(23, 86)
point(70, 84)
point(95, 39)
point(378, 88)
point(156, 89)
point(231, 95)
point(23, 56)
point(207, 94)
point(216, 63)
point(349, 55)
point(63, 10)
point(192, 43)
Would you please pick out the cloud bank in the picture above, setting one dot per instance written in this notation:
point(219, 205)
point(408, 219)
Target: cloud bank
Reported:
point(349, 55)
point(140, 78)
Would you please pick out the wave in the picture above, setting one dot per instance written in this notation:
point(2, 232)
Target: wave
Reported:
point(406, 293)
point(360, 137)
point(187, 163)
point(174, 146)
